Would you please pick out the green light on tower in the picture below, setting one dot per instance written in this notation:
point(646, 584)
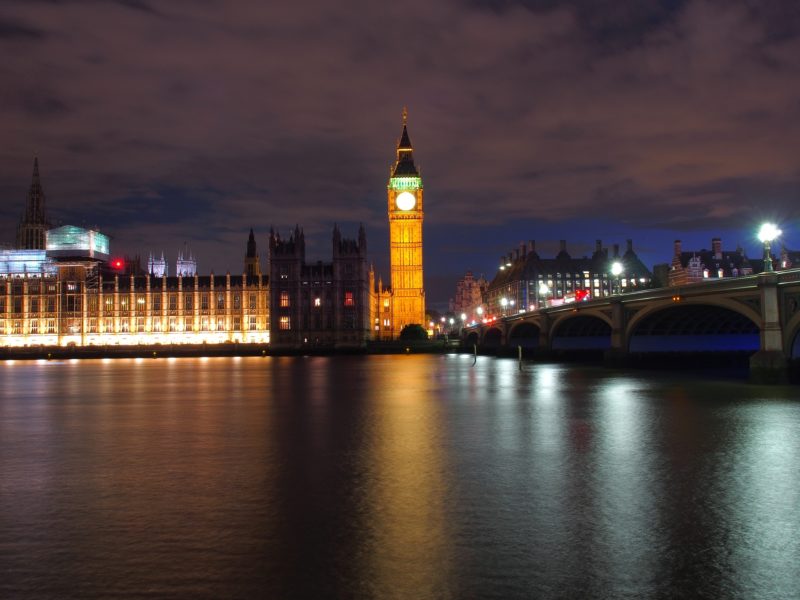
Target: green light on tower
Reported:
point(405, 183)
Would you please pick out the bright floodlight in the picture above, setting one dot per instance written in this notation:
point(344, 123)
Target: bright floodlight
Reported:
point(616, 268)
point(543, 289)
point(768, 232)
point(463, 316)
point(479, 310)
point(504, 302)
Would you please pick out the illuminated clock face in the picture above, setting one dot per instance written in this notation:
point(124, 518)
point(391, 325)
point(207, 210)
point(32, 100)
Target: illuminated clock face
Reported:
point(405, 201)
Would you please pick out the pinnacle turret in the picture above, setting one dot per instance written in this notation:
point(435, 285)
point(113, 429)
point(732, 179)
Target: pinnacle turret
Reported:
point(251, 245)
point(405, 153)
point(252, 264)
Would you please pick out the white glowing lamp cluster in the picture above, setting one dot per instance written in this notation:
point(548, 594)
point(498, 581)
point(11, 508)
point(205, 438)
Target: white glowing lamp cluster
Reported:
point(768, 232)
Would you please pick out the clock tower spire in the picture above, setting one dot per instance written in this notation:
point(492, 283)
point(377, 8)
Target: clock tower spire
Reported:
point(405, 236)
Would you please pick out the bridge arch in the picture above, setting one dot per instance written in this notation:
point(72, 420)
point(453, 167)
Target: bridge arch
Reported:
point(472, 339)
point(791, 337)
point(525, 334)
point(581, 331)
point(492, 338)
point(711, 325)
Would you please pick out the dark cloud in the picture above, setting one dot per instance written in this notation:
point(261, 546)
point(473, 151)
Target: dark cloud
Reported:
point(193, 121)
point(10, 30)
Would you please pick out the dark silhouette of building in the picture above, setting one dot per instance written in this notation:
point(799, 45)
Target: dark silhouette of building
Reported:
point(33, 225)
point(700, 265)
point(322, 304)
point(523, 277)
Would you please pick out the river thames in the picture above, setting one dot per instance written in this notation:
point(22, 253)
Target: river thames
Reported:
point(393, 477)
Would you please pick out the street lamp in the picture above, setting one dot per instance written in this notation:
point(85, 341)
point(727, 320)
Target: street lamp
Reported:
point(616, 269)
point(544, 289)
point(504, 303)
point(766, 234)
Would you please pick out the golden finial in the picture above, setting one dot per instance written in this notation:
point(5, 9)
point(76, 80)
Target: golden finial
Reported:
point(405, 115)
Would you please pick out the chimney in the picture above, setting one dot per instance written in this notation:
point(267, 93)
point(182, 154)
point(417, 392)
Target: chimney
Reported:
point(677, 247)
point(516, 254)
point(532, 246)
point(716, 247)
point(522, 249)
point(630, 246)
point(616, 250)
point(562, 245)
point(598, 246)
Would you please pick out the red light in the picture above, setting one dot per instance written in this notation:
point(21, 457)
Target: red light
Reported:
point(117, 263)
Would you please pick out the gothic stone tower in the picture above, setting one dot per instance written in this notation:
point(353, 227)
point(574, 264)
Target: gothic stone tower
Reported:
point(252, 265)
point(405, 237)
point(32, 226)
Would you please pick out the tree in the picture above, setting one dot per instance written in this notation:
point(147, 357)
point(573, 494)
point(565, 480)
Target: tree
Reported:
point(413, 332)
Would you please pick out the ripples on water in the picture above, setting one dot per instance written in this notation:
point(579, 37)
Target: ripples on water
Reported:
point(393, 477)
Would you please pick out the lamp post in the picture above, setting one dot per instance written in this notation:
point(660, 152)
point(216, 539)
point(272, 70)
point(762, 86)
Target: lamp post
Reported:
point(766, 234)
point(504, 303)
point(616, 269)
point(544, 289)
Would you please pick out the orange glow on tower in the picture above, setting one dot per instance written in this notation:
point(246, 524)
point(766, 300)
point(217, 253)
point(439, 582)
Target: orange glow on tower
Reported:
point(405, 237)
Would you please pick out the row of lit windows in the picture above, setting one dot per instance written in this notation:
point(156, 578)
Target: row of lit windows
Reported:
point(73, 302)
point(16, 327)
point(172, 324)
point(284, 302)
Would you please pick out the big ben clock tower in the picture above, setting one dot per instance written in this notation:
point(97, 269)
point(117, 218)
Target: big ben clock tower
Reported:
point(405, 237)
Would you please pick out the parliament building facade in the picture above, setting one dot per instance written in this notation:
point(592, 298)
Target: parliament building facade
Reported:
point(60, 287)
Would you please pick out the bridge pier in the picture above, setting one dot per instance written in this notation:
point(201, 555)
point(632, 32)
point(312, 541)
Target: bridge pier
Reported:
point(617, 355)
point(769, 364)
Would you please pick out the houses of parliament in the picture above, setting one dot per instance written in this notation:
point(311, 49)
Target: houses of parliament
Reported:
point(60, 286)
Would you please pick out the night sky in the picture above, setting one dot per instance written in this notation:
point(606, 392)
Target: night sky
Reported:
point(166, 123)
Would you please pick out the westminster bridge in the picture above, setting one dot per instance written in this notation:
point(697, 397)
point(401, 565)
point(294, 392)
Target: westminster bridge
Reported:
point(757, 313)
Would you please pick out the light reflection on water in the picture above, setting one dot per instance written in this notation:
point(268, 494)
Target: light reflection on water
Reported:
point(392, 477)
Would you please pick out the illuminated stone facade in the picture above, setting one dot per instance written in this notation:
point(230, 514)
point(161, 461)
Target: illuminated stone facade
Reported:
point(405, 300)
point(75, 308)
point(469, 296)
point(75, 299)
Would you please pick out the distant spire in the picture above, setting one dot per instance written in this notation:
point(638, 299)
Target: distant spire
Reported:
point(405, 152)
point(251, 245)
point(32, 226)
point(405, 142)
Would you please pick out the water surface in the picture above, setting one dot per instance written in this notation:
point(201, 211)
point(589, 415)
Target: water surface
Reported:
point(393, 477)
